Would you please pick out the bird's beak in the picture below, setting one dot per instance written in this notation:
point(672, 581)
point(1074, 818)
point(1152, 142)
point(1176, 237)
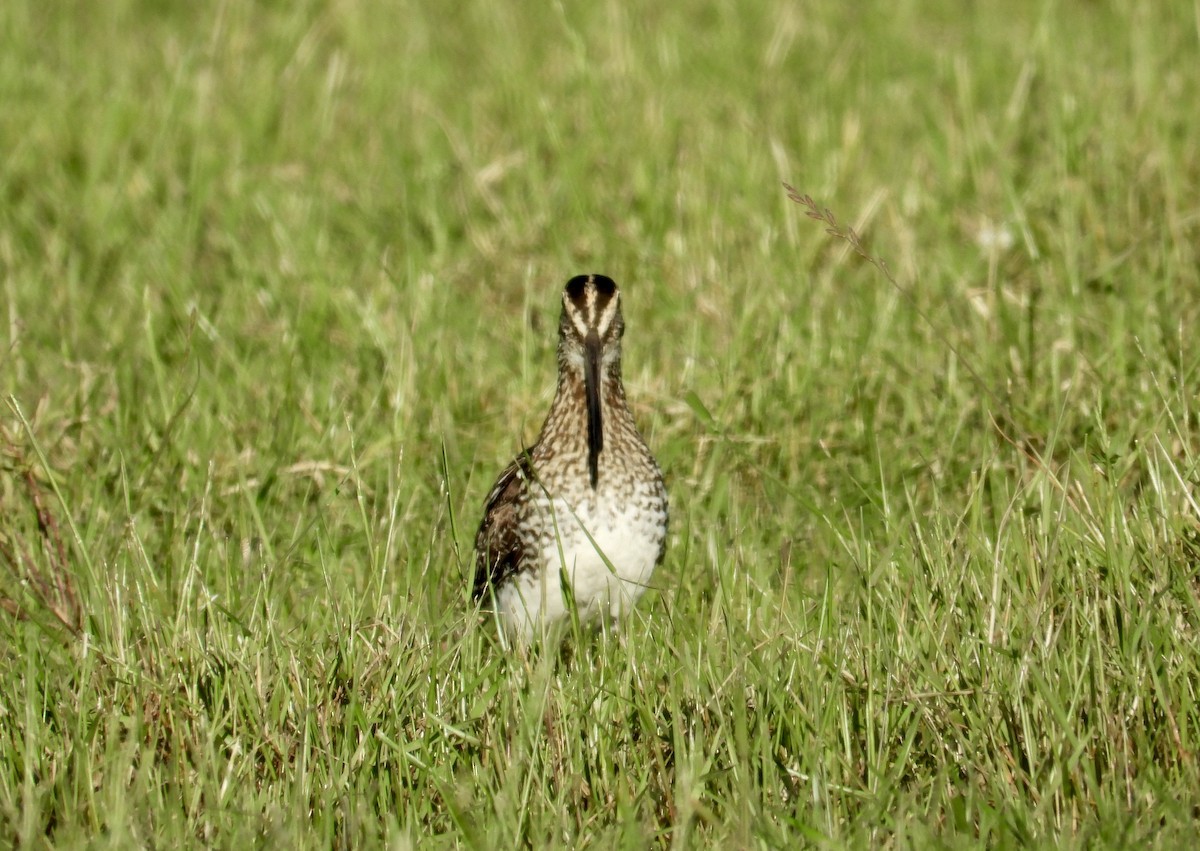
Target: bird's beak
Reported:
point(591, 388)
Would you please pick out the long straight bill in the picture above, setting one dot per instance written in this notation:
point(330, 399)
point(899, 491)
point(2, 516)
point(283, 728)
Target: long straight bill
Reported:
point(591, 389)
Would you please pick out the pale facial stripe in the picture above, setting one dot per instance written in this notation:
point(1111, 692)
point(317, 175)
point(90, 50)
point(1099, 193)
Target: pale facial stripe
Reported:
point(588, 319)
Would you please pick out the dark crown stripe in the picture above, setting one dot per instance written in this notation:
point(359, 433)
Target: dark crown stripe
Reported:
point(599, 290)
point(577, 286)
point(605, 285)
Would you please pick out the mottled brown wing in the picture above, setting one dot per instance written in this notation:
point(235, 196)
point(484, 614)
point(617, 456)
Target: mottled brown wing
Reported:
point(498, 553)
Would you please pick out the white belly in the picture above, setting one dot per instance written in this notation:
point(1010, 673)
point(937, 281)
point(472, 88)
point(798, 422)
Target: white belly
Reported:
point(607, 557)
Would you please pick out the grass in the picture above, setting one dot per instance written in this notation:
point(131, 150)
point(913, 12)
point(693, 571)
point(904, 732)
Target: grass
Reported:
point(280, 284)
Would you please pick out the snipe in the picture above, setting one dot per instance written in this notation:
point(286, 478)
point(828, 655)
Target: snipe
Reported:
point(585, 507)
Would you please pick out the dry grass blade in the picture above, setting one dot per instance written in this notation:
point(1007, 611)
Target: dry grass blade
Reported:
point(851, 237)
point(48, 580)
point(842, 232)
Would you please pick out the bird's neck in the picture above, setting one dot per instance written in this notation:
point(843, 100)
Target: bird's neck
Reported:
point(567, 420)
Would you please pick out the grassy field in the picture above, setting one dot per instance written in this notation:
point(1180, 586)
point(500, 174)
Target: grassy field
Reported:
point(280, 285)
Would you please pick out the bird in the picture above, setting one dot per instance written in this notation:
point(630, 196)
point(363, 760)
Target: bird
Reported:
point(581, 515)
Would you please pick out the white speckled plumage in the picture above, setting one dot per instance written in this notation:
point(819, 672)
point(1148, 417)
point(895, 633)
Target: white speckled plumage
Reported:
point(587, 501)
